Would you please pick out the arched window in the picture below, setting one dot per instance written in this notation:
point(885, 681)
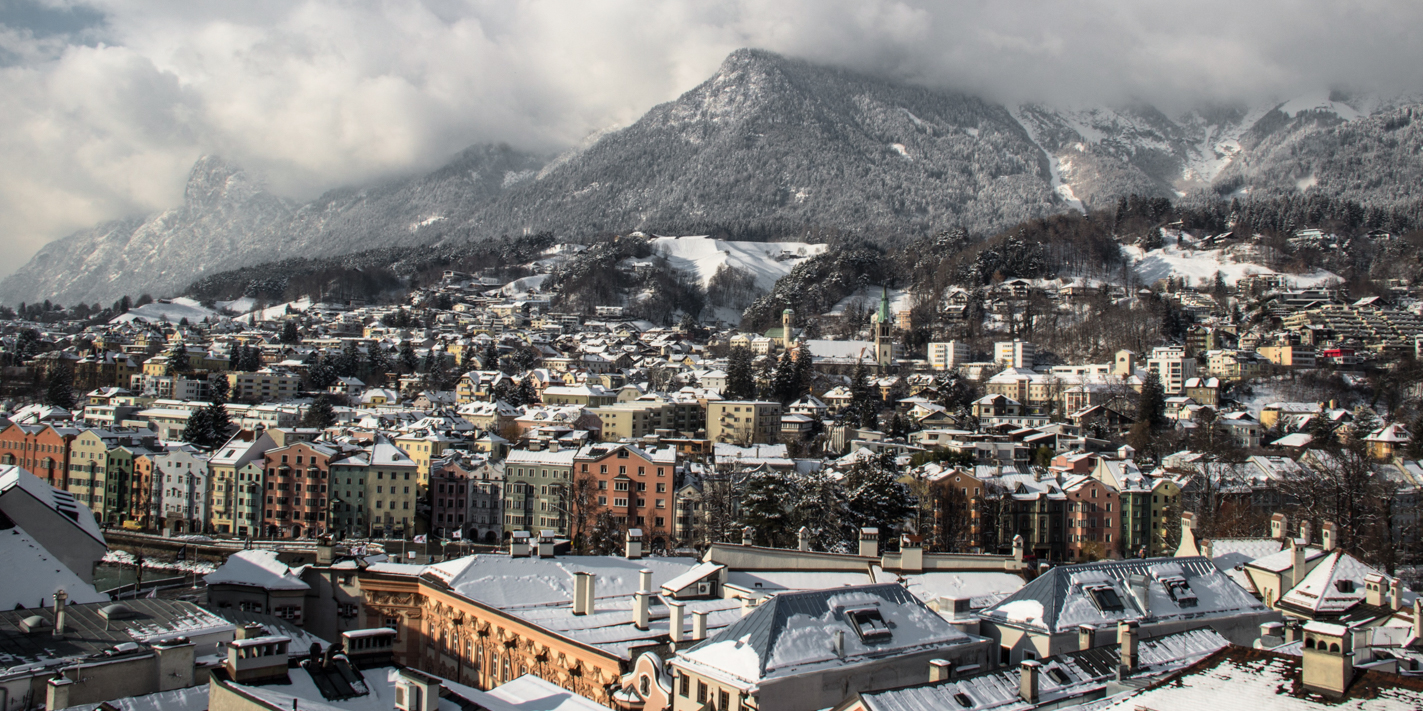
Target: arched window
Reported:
point(1309, 643)
point(1334, 646)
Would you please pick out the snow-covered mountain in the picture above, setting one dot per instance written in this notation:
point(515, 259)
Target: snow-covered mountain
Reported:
point(767, 148)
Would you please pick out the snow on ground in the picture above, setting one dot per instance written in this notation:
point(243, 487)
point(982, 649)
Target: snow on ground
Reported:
point(867, 298)
point(245, 307)
point(767, 261)
point(171, 311)
point(527, 284)
point(1177, 258)
point(117, 556)
point(1319, 102)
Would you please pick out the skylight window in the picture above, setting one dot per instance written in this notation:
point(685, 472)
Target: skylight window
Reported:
point(1106, 598)
point(1058, 675)
point(963, 699)
point(1179, 590)
point(869, 624)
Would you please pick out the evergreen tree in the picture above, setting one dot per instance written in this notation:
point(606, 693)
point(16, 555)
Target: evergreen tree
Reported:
point(740, 382)
point(348, 362)
point(377, 362)
point(320, 414)
point(408, 360)
point(178, 360)
point(526, 393)
point(322, 374)
point(219, 424)
point(864, 406)
point(489, 359)
point(199, 430)
point(804, 372)
point(763, 508)
point(59, 390)
point(783, 380)
point(876, 499)
point(1151, 404)
point(1364, 424)
point(290, 334)
point(819, 505)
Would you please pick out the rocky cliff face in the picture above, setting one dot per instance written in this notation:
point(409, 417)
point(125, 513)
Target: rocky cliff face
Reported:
point(767, 147)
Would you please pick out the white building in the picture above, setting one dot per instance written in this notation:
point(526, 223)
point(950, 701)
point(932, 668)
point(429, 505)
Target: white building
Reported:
point(180, 483)
point(948, 355)
point(1014, 354)
point(1172, 366)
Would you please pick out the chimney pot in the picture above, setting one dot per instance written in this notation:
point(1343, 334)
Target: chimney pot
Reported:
point(581, 583)
point(803, 537)
point(748, 536)
point(60, 613)
point(837, 642)
point(869, 542)
point(1395, 594)
point(642, 602)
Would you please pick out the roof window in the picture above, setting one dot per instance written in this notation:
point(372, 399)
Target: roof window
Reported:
point(1106, 598)
point(963, 700)
point(1058, 675)
point(869, 624)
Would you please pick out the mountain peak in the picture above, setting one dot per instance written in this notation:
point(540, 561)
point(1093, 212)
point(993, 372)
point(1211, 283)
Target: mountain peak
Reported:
point(214, 180)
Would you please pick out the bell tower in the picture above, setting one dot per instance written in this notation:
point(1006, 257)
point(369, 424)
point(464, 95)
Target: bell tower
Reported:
point(883, 325)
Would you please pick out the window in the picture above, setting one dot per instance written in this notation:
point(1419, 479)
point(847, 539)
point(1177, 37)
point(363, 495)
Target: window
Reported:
point(724, 700)
point(1106, 598)
point(869, 624)
point(686, 690)
point(701, 692)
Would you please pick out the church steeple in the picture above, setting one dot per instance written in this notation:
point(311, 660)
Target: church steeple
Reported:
point(884, 345)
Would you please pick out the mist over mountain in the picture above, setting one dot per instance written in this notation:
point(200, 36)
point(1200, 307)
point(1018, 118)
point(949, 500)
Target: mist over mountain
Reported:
point(767, 147)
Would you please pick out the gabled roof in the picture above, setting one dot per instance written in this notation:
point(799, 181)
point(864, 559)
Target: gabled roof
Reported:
point(791, 634)
point(256, 568)
point(1321, 591)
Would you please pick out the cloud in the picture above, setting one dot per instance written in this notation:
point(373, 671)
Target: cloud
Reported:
point(104, 104)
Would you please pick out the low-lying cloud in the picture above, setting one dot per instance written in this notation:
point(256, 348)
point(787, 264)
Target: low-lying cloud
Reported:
point(105, 104)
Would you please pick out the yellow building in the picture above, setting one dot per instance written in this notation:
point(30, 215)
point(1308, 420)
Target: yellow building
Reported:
point(421, 448)
point(743, 421)
point(1165, 514)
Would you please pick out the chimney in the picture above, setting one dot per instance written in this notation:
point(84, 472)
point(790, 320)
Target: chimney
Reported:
point(748, 536)
point(869, 542)
point(1141, 590)
point(1292, 632)
point(1395, 594)
point(519, 544)
point(641, 610)
point(546, 544)
point(1206, 549)
point(1028, 680)
point(582, 583)
point(1297, 570)
point(1279, 526)
point(1126, 637)
point(634, 544)
point(940, 670)
point(748, 605)
point(57, 695)
point(699, 625)
point(1328, 665)
point(1418, 617)
point(1018, 548)
point(1085, 637)
point(677, 619)
point(1306, 532)
point(1188, 522)
point(1327, 536)
point(417, 691)
point(590, 595)
point(251, 630)
point(803, 536)
point(60, 597)
point(1373, 589)
point(837, 642)
point(911, 554)
point(1272, 634)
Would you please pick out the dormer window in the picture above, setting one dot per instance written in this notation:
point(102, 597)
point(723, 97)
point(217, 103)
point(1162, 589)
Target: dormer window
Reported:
point(1058, 675)
point(1344, 586)
point(869, 624)
point(1106, 598)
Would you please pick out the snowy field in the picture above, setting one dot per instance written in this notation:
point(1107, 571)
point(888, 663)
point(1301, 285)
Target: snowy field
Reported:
point(1179, 258)
point(766, 261)
point(171, 311)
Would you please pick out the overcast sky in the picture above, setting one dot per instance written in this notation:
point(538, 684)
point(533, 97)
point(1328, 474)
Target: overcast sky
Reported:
point(105, 104)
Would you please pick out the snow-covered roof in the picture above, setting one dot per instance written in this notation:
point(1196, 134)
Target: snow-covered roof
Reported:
point(791, 633)
point(256, 568)
point(1321, 590)
point(1066, 597)
point(15, 479)
point(33, 575)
